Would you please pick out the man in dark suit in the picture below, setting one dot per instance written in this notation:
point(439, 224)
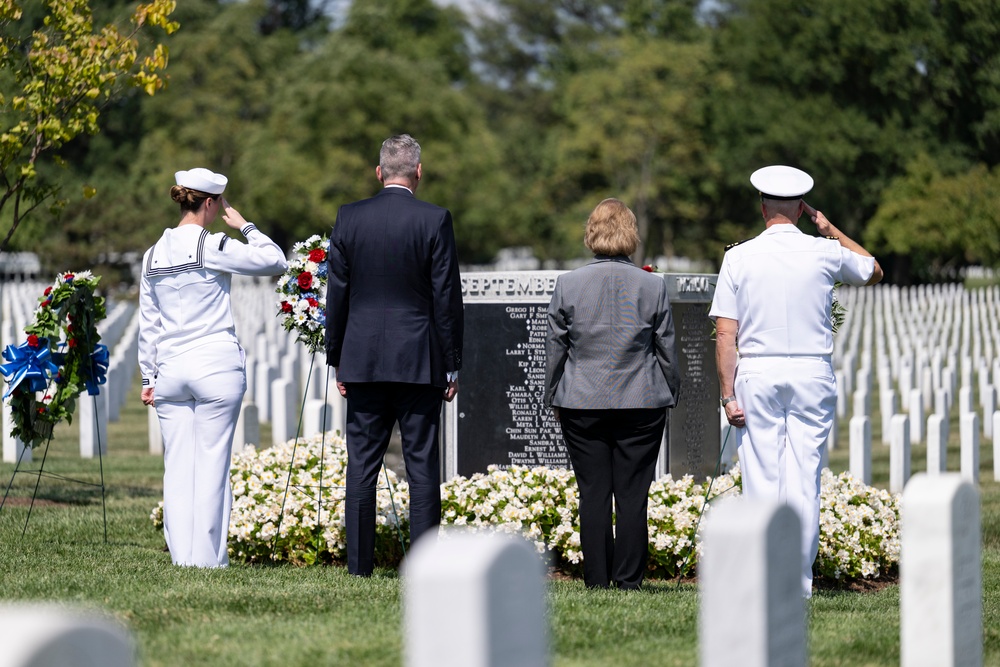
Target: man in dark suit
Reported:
point(394, 333)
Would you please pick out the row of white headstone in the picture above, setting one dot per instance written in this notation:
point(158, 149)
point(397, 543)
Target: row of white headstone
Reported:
point(475, 601)
point(287, 386)
point(935, 347)
point(925, 344)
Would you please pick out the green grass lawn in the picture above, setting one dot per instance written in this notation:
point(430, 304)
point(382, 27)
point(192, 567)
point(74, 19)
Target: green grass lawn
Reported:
point(291, 616)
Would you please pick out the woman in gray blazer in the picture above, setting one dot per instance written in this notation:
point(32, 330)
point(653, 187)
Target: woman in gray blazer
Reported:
point(611, 373)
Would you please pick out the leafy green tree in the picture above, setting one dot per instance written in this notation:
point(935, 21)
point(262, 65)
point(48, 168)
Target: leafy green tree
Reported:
point(852, 91)
point(633, 130)
point(934, 224)
point(223, 75)
point(320, 143)
point(565, 80)
point(296, 122)
point(54, 82)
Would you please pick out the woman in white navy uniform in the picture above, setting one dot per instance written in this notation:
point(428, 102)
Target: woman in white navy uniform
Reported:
point(191, 361)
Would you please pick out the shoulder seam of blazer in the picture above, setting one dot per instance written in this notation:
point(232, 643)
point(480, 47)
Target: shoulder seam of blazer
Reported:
point(197, 263)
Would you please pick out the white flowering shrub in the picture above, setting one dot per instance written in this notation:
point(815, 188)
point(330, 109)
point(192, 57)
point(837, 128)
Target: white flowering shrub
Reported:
point(859, 524)
point(540, 503)
point(673, 516)
point(858, 529)
point(310, 532)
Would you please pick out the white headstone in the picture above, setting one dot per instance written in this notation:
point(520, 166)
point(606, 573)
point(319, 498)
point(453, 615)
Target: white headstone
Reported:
point(937, 444)
point(317, 417)
point(983, 381)
point(13, 449)
point(916, 416)
point(474, 600)
point(247, 427)
point(899, 453)
point(861, 449)
point(831, 437)
point(996, 445)
point(155, 436)
point(969, 438)
point(266, 374)
point(905, 385)
point(989, 402)
point(964, 400)
point(927, 388)
point(52, 636)
point(752, 612)
point(941, 406)
point(92, 414)
point(862, 403)
point(250, 369)
point(940, 576)
point(863, 379)
point(284, 410)
point(887, 408)
point(842, 393)
point(948, 383)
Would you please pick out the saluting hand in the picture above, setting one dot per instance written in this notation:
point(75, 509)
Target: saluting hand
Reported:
point(823, 226)
point(231, 216)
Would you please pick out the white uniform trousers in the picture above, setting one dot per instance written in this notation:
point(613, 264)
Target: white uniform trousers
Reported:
point(198, 395)
point(789, 404)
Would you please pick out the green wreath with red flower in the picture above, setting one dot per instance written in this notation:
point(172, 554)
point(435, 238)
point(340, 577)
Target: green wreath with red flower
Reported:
point(61, 358)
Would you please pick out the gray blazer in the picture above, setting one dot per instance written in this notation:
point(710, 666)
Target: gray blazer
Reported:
point(611, 339)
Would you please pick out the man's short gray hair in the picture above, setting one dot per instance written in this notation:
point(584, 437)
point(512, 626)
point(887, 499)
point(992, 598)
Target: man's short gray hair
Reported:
point(399, 157)
point(786, 207)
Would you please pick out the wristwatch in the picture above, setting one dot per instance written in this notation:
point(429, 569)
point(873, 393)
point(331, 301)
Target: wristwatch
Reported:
point(727, 399)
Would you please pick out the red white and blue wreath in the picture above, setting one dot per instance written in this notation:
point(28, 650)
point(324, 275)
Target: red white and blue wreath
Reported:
point(61, 358)
point(302, 305)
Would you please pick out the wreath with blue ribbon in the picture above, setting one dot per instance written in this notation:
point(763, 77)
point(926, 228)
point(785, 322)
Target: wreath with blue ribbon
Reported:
point(61, 358)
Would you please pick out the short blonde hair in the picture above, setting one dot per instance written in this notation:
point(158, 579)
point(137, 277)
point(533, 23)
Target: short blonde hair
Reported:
point(612, 229)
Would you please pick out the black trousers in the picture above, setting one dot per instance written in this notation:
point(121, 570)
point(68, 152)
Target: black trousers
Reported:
point(373, 408)
point(614, 456)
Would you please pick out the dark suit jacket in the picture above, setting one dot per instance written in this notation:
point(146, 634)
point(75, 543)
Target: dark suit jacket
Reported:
point(394, 297)
point(611, 339)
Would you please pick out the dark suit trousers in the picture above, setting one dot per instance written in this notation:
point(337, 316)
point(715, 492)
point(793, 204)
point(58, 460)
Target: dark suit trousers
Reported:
point(373, 408)
point(614, 455)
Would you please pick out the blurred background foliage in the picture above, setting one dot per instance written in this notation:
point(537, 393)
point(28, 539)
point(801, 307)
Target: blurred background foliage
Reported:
point(531, 111)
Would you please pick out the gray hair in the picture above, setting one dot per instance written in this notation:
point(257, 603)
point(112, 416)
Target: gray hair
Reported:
point(399, 157)
point(786, 207)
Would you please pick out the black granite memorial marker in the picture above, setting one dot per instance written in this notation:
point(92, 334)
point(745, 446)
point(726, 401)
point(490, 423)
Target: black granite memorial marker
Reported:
point(693, 432)
point(498, 417)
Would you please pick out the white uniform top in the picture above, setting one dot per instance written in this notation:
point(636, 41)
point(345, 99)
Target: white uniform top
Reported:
point(779, 287)
point(184, 290)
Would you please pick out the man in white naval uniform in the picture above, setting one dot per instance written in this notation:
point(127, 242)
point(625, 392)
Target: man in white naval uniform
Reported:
point(774, 339)
point(192, 363)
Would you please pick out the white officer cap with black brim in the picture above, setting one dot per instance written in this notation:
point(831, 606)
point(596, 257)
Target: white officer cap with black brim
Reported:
point(780, 182)
point(202, 180)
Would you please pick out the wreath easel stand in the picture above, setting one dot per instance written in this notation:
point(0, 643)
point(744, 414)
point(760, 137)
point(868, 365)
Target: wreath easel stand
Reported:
point(41, 472)
point(308, 489)
point(66, 307)
point(303, 306)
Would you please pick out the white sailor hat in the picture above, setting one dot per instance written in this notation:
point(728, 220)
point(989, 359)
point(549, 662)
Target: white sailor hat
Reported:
point(202, 180)
point(780, 182)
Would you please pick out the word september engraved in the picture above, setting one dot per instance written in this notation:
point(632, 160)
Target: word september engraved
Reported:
point(509, 285)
